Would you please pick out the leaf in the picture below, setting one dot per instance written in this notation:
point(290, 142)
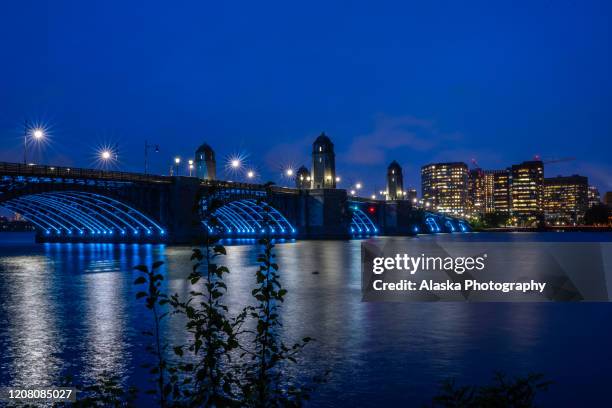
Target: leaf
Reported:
point(140, 280)
point(157, 264)
point(141, 294)
point(142, 268)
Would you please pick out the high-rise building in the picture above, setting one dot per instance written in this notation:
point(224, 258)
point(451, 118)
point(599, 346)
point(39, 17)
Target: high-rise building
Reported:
point(566, 198)
point(594, 198)
point(395, 182)
point(489, 183)
point(323, 163)
point(302, 178)
point(608, 199)
point(445, 187)
point(476, 192)
point(501, 191)
point(527, 190)
point(496, 191)
point(206, 166)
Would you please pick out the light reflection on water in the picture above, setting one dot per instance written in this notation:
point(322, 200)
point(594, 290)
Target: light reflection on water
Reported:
point(71, 308)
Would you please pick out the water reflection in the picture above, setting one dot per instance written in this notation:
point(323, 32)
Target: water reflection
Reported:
point(72, 308)
point(32, 333)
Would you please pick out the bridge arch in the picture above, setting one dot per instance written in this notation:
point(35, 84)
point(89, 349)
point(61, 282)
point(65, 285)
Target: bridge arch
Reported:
point(245, 217)
point(84, 215)
point(361, 223)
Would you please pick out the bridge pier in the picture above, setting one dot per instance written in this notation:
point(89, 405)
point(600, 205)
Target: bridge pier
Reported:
point(325, 214)
point(180, 213)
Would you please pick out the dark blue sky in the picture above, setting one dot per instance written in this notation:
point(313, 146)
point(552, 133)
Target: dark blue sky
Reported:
point(412, 81)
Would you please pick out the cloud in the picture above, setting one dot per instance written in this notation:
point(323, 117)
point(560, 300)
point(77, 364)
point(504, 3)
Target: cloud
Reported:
point(392, 133)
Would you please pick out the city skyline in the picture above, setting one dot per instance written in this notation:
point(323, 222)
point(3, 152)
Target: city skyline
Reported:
point(498, 84)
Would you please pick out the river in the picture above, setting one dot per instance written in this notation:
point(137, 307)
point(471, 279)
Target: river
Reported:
point(71, 308)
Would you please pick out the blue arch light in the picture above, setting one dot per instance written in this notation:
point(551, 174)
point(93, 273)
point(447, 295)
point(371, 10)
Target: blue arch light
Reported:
point(246, 217)
point(82, 213)
point(361, 224)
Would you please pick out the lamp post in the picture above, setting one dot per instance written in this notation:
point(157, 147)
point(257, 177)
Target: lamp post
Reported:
point(148, 146)
point(36, 133)
point(190, 167)
point(177, 161)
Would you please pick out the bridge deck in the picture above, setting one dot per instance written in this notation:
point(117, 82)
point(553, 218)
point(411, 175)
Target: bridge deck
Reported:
point(59, 172)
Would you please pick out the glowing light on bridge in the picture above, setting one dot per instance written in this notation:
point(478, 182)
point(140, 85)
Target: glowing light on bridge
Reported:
point(106, 157)
point(83, 214)
point(361, 224)
point(246, 218)
point(38, 133)
point(235, 165)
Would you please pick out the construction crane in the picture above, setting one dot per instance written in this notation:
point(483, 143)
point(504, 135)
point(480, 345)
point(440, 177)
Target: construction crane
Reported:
point(554, 160)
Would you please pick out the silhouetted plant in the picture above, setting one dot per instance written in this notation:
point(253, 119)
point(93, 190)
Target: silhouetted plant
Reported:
point(519, 392)
point(106, 391)
point(266, 382)
point(154, 301)
point(213, 332)
point(210, 377)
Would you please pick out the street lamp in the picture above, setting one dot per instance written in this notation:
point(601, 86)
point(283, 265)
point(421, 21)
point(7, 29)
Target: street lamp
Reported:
point(177, 161)
point(289, 172)
point(235, 163)
point(337, 179)
point(37, 133)
point(190, 167)
point(358, 186)
point(250, 174)
point(105, 155)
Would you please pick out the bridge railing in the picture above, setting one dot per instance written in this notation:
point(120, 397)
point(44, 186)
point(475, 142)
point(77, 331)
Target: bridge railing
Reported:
point(35, 170)
point(18, 169)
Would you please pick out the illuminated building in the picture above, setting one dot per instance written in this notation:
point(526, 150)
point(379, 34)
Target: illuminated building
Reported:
point(323, 163)
point(444, 187)
point(566, 198)
point(594, 198)
point(206, 166)
point(302, 178)
point(489, 183)
point(501, 191)
point(496, 191)
point(476, 192)
point(395, 182)
point(527, 190)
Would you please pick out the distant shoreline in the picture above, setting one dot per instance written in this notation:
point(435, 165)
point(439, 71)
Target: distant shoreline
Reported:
point(568, 228)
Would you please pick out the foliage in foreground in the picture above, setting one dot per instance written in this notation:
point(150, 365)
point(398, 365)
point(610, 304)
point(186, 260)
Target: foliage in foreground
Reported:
point(229, 360)
point(519, 392)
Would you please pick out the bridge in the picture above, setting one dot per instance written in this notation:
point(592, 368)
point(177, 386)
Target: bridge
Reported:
point(85, 205)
